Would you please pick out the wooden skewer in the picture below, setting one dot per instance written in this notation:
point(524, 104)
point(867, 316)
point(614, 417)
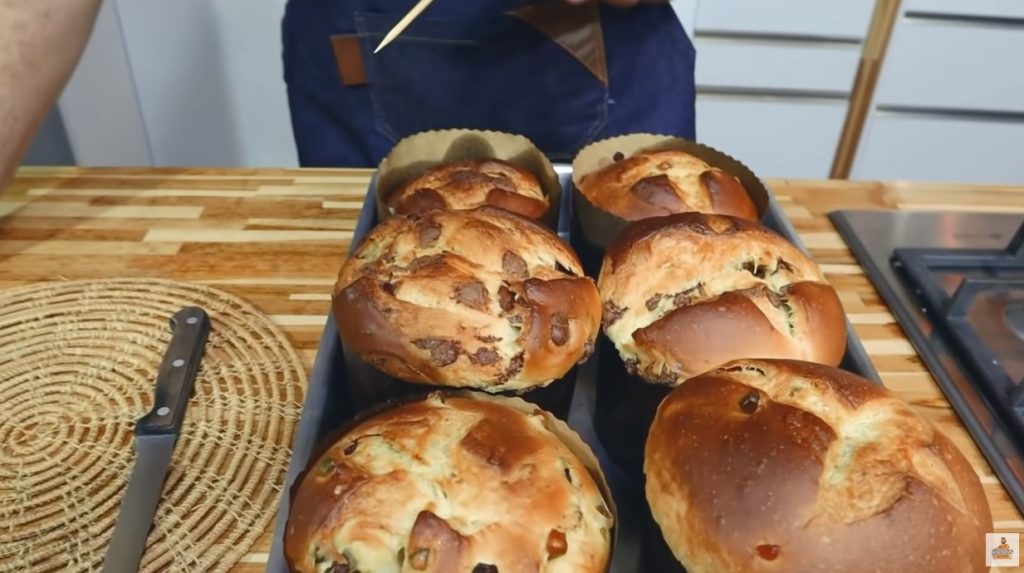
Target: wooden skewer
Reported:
point(404, 23)
point(415, 12)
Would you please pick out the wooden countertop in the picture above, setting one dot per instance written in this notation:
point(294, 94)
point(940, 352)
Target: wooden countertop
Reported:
point(278, 237)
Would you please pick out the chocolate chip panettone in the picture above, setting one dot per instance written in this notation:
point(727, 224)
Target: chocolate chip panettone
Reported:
point(655, 183)
point(481, 299)
point(450, 485)
point(469, 184)
point(684, 293)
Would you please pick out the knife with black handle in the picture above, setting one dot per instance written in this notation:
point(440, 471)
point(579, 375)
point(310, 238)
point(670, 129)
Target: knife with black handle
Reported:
point(155, 436)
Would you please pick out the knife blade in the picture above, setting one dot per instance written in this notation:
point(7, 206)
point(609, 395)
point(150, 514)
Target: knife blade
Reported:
point(155, 436)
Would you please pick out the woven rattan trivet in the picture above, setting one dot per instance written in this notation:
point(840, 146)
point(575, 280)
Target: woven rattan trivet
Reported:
point(78, 364)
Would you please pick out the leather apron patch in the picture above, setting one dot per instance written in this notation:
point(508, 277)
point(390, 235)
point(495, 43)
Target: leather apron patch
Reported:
point(349, 58)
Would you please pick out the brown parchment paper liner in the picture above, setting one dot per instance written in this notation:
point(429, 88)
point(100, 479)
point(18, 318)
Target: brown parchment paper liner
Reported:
point(599, 227)
point(559, 428)
point(417, 153)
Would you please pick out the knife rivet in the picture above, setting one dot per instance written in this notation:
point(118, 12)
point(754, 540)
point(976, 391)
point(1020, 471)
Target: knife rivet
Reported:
point(191, 320)
point(178, 363)
point(162, 411)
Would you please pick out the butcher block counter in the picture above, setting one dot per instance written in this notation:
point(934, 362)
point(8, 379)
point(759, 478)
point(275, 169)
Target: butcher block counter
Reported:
point(278, 237)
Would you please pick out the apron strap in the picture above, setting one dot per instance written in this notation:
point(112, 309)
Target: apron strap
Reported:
point(575, 27)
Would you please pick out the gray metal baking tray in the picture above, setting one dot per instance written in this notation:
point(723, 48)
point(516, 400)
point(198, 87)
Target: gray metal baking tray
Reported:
point(325, 409)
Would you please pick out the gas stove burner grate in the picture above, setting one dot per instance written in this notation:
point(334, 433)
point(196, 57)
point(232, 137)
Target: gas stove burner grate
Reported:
point(953, 282)
point(983, 314)
point(1015, 318)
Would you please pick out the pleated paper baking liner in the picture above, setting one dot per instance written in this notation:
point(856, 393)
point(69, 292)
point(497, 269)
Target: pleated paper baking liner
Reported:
point(414, 155)
point(599, 227)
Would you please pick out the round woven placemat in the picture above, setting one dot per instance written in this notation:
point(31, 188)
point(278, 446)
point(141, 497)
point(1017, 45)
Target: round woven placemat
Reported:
point(78, 364)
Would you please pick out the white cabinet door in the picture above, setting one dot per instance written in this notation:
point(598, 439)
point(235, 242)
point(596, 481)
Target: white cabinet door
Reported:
point(757, 65)
point(189, 82)
point(953, 66)
point(209, 80)
point(937, 148)
point(776, 137)
point(99, 104)
point(774, 77)
point(686, 11)
point(1010, 9)
point(840, 19)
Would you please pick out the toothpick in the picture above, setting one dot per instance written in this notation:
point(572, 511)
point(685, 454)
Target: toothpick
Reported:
point(404, 23)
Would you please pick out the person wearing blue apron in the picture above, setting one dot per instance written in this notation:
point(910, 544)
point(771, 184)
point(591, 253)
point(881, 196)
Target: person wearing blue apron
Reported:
point(561, 74)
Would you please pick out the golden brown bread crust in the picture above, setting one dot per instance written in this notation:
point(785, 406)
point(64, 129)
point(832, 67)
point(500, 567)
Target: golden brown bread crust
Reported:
point(778, 465)
point(474, 299)
point(655, 183)
point(469, 184)
point(449, 484)
point(684, 293)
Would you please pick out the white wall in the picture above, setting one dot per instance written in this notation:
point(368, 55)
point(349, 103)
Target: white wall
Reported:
point(686, 11)
point(50, 146)
point(200, 81)
point(948, 105)
point(774, 79)
point(189, 83)
point(99, 104)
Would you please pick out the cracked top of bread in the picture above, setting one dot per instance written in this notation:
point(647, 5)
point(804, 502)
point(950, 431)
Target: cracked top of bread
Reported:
point(779, 465)
point(684, 293)
point(481, 299)
point(449, 484)
point(655, 183)
point(472, 183)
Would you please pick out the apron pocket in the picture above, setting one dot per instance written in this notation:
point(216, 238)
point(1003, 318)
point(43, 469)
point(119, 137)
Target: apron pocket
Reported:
point(500, 75)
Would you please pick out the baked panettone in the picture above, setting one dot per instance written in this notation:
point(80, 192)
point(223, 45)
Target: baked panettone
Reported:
point(684, 293)
point(777, 465)
point(472, 183)
point(480, 299)
point(655, 183)
point(449, 485)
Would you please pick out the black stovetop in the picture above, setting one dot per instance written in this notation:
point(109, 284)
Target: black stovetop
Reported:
point(955, 283)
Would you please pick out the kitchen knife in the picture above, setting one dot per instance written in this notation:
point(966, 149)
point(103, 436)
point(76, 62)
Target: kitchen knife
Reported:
point(155, 436)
